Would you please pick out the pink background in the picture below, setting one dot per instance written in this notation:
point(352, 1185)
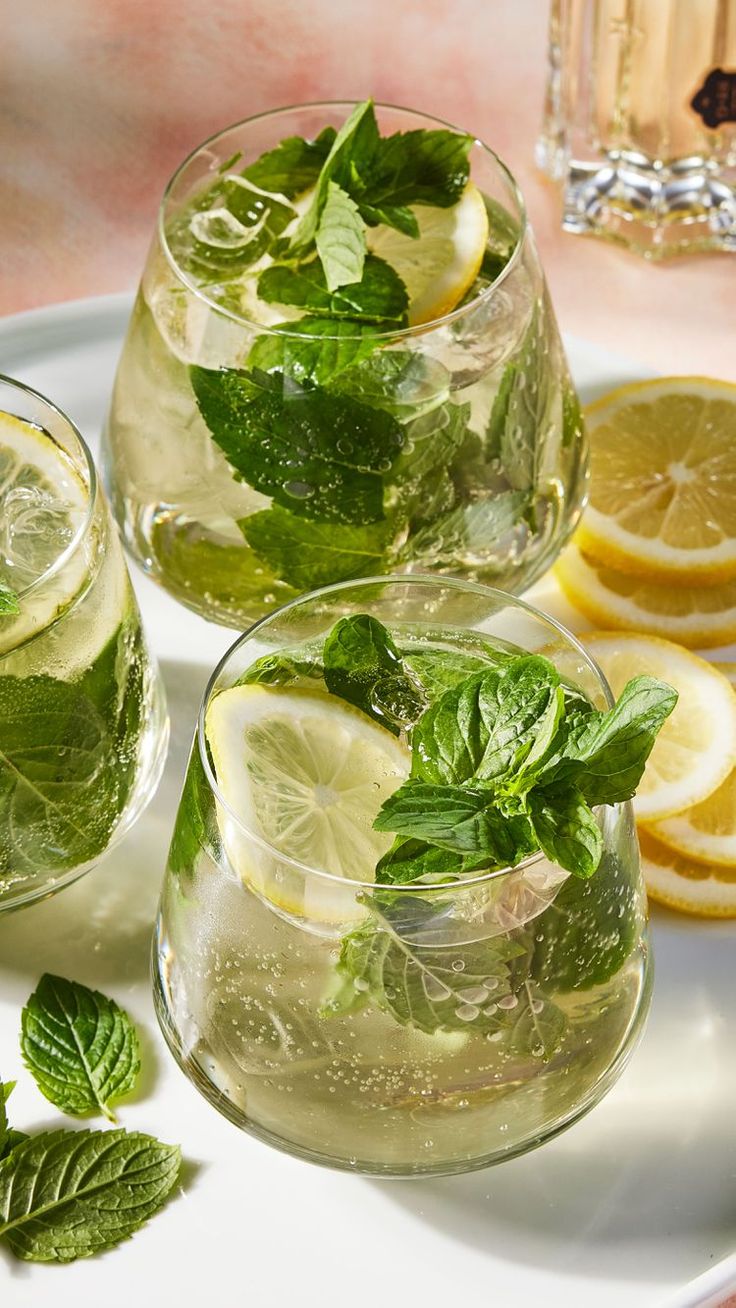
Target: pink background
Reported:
point(100, 99)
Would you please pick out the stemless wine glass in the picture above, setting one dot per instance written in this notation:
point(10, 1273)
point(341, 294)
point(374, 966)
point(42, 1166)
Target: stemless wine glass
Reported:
point(83, 725)
point(402, 1029)
point(482, 469)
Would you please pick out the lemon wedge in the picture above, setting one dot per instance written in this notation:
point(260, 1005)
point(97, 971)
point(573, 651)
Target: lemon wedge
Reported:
point(696, 748)
point(663, 480)
point(303, 777)
point(439, 266)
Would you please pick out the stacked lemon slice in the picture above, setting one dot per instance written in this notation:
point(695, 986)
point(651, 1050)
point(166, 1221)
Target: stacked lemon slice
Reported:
point(656, 556)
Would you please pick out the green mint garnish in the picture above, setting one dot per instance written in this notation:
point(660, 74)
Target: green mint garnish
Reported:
point(363, 666)
point(69, 1194)
point(340, 239)
point(315, 349)
point(377, 296)
point(8, 602)
point(498, 766)
point(80, 1047)
point(293, 166)
point(309, 554)
point(319, 455)
point(8, 1137)
point(68, 758)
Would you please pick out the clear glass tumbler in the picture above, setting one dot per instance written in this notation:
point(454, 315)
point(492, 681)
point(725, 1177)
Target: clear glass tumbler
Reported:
point(486, 473)
point(640, 121)
point(83, 725)
point(500, 1007)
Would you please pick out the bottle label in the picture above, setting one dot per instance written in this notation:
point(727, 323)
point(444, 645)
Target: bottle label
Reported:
point(715, 102)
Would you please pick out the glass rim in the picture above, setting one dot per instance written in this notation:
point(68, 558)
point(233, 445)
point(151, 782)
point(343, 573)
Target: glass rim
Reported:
point(397, 334)
point(413, 578)
point(88, 462)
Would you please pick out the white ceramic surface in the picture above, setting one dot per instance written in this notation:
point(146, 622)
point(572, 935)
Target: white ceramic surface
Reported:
point(620, 1212)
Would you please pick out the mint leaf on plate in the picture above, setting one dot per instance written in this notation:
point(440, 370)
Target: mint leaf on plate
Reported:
point(293, 166)
point(69, 1194)
point(313, 349)
point(80, 1047)
point(8, 1137)
point(320, 455)
point(8, 602)
point(310, 554)
point(363, 666)
point(379, 296)
point(340, 239)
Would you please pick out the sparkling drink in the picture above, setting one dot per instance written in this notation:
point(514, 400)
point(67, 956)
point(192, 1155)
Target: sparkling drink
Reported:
point(429, 1027)
point(460, 423)
point(83, 724)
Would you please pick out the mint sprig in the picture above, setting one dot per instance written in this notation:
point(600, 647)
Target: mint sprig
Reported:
point(69, 1194)
point(363, 666)
point(499, 767)
point(80, 1047)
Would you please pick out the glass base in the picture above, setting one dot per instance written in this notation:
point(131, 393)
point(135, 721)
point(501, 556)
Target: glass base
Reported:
point(195, 1073)
point(656, 212)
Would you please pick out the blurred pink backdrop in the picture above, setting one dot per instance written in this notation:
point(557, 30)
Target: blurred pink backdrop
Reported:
point(101, 99)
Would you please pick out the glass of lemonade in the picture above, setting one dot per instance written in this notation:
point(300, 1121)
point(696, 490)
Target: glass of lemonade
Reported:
point(449, 1017)
point(272, 431)
point(83, 725)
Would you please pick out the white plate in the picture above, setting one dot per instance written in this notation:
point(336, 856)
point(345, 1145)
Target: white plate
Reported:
point(630, 1204)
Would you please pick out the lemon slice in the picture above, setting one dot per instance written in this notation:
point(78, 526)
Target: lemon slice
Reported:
point(685, 885)
point(696, 748)
point(706, 832)
point(305, 774)
point(439, 266)
point(663, 480)
point(43, 504)
point(698, 616)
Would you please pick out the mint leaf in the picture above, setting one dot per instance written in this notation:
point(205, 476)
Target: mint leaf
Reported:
point(590, 929)
point(80, 1047)
point(309, 554)
point(484, 727)
point(379, 297)
point(604, 754)
point(8, 601)
point(525, 399)
point(293, 166)
point(475, 529)
point(8, 1137)
point(412, 387)
point(70, 1194)
point(286, 667)
point(416, 984)
point(355, 142)
point(438, 670)
point(457, 818)
point(537, 1026)
point(398, 216)
point(417, 167)
point(313, 349)
point(340, 239)
point(363, 666)
point(61, 789)
point(317, 454)
point(408, 859)
point(191, 832)
point(566, 829)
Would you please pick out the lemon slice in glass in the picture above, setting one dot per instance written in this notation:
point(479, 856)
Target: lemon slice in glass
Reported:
point(303, 776)
point(43, 504)
point(439, 266)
